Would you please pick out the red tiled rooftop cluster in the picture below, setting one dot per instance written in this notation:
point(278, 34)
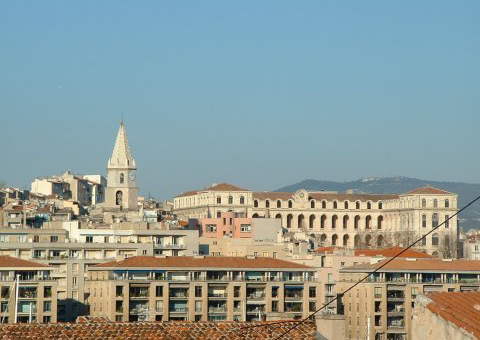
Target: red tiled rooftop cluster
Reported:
point(158, 330)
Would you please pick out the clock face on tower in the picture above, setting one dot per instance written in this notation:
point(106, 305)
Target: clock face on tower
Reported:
point(131, 175)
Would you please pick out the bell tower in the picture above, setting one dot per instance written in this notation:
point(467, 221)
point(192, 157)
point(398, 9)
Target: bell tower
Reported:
point(121, 191)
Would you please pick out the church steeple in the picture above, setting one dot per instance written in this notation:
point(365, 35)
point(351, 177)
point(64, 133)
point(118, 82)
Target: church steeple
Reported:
point(121, 155)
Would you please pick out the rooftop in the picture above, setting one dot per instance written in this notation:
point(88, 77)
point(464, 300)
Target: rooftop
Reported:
point(392, 252)
point(157, 330)
point(13, 262)
point(459, 308)
point(400, 264)
point(428, 191)
point(217, 187)
point(201, 262)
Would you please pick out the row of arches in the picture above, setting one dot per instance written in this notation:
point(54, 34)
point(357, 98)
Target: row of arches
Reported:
point(446, 203)
point(313, 204)
point(345, 241)
point(334, 221)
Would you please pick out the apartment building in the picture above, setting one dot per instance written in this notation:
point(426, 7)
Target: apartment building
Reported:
point(35, 300)
point(381, 306)
point(200, 289)
point(339, 219)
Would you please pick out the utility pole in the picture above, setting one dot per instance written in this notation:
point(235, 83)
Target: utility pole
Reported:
point(16, 298)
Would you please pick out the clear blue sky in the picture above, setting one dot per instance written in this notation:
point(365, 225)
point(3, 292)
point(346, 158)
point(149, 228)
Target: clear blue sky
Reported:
point(258, 93)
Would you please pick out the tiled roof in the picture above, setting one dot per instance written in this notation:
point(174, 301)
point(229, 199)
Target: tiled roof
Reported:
point(217, 187)
point(329, 249)
point(391, 252)
point(200, 262)
point(420, 264)
point(272, 195)
point(177, 330)
point(460, 308)
point(428, 191)
point(13, 262)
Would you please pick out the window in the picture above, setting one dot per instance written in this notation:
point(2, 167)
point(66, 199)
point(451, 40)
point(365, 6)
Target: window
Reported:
point(159, 306)
point(224, 221)
point(324, 204)
point(378, 292)
point(198, 306)
point(312, 204)
point(267, 204)
point(265, 254)
point(424, 221)
point(47, 319)
point(236, 291)
point(434, 220)
point(219, 214)
point(47, 306)
point(230, 199)
point(424, 241)
point(89, 239)
point(211, 228)
point(159, 291)
point(334, 204)
point(242, 200)
point(36, 238)
point(274, 306)
point(255, 203)
point(122, 178)
point(74, 280)
point(245, 228)
point(414, 292)
point(435, 203)
point(447, 203)
point(357, 205)
point(53, 239)
point(380, 205)
point(118, 318)
point(47, 292)
point(275, 292)
point(435, 239)
point(198, 291)
point(255, 253)
point(279, 204)
point(119, 291)
point(274, 255)
point(447, 221)
point(219, 200)
point(369, 205)
point(312, 306)
point(345, 205)
point(290, 204)
point(312, 292)
point(424, 203)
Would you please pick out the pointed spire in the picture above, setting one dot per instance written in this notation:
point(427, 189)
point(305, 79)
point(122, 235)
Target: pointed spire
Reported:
point(121, 155)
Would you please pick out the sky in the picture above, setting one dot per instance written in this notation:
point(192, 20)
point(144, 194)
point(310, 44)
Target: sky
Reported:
point(261, 94)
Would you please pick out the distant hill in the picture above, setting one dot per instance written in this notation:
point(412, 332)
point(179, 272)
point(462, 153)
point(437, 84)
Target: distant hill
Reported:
point(397, 185)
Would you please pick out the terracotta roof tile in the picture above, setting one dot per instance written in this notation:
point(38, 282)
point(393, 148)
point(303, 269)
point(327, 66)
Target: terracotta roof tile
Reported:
point(217, 187)
point(8, 262)
point(460, 308)
point(159, 330)
point(329, 249)
point(199, 262)
point(273, 195)
point(428, 191)
point(391, 252)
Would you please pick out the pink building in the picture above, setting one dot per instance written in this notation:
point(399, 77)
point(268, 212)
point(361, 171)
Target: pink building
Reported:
point(227, 225)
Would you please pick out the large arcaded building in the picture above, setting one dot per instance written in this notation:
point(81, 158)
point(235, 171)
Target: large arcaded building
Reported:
point(343, 219)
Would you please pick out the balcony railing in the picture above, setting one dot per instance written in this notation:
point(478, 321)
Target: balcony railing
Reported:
point(217, 295)
point(178, 309)
point(217, 309)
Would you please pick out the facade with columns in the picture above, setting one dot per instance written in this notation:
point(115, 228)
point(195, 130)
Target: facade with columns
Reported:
point(343, 219)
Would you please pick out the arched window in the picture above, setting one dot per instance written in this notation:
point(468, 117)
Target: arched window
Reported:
point(368, 240)
point(379, 222)
point(380, 205)
point(255, 215)
point(345, 205)
point(219, 200)
point(345, 240)
point(435, 203)
point(278, 216)
point(356, 241)
point(345, 222)
point(424, 221)
point(334, 221)
point(323, 219)
point(356, 222)
point(311, 221)
point(255, 203)
point(368, 219)
point(334, 239)
point(312, 204)
point(424, 203)
point(230, 199)
point(424, 241)
point(323, 239)
point(122, 178)
point(380, 241)
point(369, 205)
point(357, 205)
point(290, 204)
point(289, 220)
point(447, 203)
point(242, 200)
point(301, 220)
point(267, 204)
point(279, 204)
point(435, 239)
point(434, 220)
point(119, 197)
point(334, 204)
point(324, 204)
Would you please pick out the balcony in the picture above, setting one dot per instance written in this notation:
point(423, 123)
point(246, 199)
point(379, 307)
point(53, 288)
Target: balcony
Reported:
point(139, 292)
point(178, 293)
point(175, 309)
point(289, 295)
point(219, 309)
point(27, 293)
point(170, 246)
point(218, 295)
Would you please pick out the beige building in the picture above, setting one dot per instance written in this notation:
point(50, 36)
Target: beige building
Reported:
point(35, 299)
point(201, 289)
point(446, 316)
point(381, 306)
point(341, 219)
